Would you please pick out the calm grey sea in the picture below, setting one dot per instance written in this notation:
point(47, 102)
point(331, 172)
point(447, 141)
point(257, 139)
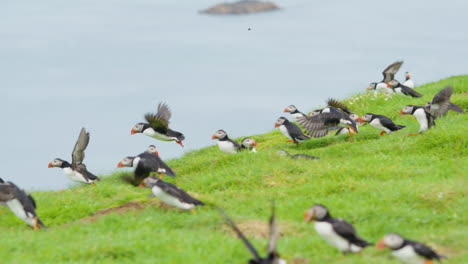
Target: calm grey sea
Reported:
point(103, 64)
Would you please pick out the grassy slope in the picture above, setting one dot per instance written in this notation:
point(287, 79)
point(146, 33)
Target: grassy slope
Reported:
point(414, 185)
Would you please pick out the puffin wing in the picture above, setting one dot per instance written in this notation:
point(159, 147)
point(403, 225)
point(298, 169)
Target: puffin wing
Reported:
point(318, 125)
point(246, 242)
point(408, 91)
point(441, 102)
point(337, 104)
point(26, 200)
point(295, 132)
point(175, 191)
point(163, 165)
point(425, 251)
point(178, 135)
point(391, 70)
point(78, 154)
point(274, 234)
point(160, 120)
point(237, 146)
point(455, 108)
point(344, 229)
point(385, 121)
point(7, 192)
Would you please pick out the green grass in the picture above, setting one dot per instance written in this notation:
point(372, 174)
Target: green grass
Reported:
point(413, 185)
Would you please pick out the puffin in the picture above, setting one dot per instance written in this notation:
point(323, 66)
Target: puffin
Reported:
point(291, 130)
point(77, 170)
point(225, 144)
point(409, 252)
point(282, 152)
point(20, 203)
point(248, 144)
point(152, 150)
point(340, 105)
point(171, 194)
point(294, 112)
point(335, 231)
point(273, 257)
point(382, 123)
point(158, 126)
point(408, 82)
point(145, 164)
point(402, 89)
point(425, 119)
point(319, 125)
point(441, 104)
point(388, 75)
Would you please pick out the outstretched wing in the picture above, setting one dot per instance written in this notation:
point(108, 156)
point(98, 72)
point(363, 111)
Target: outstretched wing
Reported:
point(441, 102)
point(78, 154)
point(391, 70)
point(337, 104)
point(317, 125)
point(160, 120)
point(246, 242)
point(273, 232)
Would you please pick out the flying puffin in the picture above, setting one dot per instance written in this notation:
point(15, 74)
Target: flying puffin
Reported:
point(388, 74)
point(77, 170)
point(20, 203)
point(290, 130)
point(402, 89)
point(335, 231)
point(337, 104)
point(382, 123)
point(171, 194)
point(425, 119)
point(441, 104)
point(282, 152)
point(145, 164)
point(158, 126)
point(248, 144)
point(225, 144)
point(409, 252)
point(408, 82)
point(273, 256)
point(294, 112)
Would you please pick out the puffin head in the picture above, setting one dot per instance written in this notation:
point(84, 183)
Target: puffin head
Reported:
point(407, 76)
point(138, 128)
point(290, 109)
point(56, 163)
point(152, 149)
point(392, 241)
point(219, 134)
point(249, 142)
point(367, 117)
point(317, 212)
point(126, 162)
point(280, 121)
point(407, 110)
point(356, 118)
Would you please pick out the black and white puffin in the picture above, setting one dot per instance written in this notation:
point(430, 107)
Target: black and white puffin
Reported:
point(335, 231)
point(294, 112)
point(283, 152)
point(340, 105)
point(408, 82)
point(248, 144)
point(20, 203)
point(382, 123)
point(290, 130)
point(409, 252)
point(77, 170)
point(388, 75)
point(425, 119)
point(402, 89)
point(226, 144)
point(273, 256)
point(171, 194)
point(441, 104)
point(145, 164)
point(158, 126)
point(319, 125)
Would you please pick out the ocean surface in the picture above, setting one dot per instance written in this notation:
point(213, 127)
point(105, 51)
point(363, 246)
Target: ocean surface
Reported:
point(103, 64)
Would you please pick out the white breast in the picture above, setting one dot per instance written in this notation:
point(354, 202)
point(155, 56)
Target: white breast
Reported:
point(295, 116)
point(151, 133)
point(17, 208)
point(408, 255)
point(75, 176)
point(382, 87)
point(376, 123)
point(226, 147)
point(398, 91)
point(421, 117)
point(409, 83)
point(285, 132)
point(325, 230)
point(158, 192)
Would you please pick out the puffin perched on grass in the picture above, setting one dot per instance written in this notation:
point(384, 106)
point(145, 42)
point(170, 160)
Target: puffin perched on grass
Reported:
point(290, 130)
point(20, 203)
point(158, 126)
point(335, 231)
point(409, 252)
point(225, 144)
point(425, 119)
point(402, 89)
point(388, 75)
point(77, 170)
point(441, 104)
point(295, 113)
point(171, 194)
point(408, 82)
point(248, 144)
point(273, 256)
point(382, 123)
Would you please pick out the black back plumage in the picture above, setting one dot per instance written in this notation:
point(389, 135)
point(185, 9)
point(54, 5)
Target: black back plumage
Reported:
point(386, 122)
point(177, 192)
point(318, 125)
point(424, 250)
point(347, 231)
point(407, 90)
point(159, 121)
point(148, 164)
point(294, 131)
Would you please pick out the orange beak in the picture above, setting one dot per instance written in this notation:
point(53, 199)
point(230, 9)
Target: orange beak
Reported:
point(308, 217)
point(180, 143)
point(214, 137)
point(277, 125)
point(132, 132)
point(255, 143)
point(360, 120)
point(285, 110)
point(50, 165)
point(388, 85)
point(381, 244)
point(119, 165)
point(401, 112)
point(156, 153)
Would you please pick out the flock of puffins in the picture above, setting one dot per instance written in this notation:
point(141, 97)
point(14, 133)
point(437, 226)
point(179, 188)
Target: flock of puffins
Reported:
point(337, 116)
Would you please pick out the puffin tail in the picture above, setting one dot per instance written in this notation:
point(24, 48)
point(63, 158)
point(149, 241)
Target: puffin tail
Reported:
point(412, 92)
point(399, 127)
point(362, 243)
